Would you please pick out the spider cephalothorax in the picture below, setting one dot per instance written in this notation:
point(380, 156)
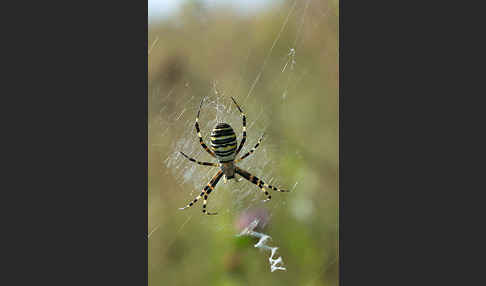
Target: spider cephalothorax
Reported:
point(223, 148)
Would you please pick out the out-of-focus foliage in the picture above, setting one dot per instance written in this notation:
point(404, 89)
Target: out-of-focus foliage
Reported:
point(190, 51)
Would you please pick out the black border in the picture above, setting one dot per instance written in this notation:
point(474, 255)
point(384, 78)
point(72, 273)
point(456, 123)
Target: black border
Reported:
point(82, 151)
point(404, 151)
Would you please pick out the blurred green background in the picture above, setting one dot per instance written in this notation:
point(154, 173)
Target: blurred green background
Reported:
point(293, 98)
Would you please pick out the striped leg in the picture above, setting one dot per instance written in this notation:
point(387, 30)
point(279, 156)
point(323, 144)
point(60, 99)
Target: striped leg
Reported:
point(199, 162)
point(258, 182)
point(251, 151)
point(244, 128)
point(206, 191)
point(201, 141)
point(209, 188)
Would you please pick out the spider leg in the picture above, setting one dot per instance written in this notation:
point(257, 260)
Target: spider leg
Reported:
point(199, 162)
point(251, 151)
point(209, 188)
point(244, 127)
point(205, 193)
point(258, 182)
point(201, 141)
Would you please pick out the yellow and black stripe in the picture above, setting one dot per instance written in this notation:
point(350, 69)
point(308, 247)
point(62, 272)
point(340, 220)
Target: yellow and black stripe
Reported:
point(199, 162)
point(198, 131)
point(223, 142)
point(255, 180)
point(251, 151)
point(205, 193)
point(244, 127)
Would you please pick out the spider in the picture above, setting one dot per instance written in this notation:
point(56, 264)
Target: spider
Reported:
point(223, 148)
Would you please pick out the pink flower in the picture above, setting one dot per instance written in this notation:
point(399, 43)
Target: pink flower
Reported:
point(247, 217)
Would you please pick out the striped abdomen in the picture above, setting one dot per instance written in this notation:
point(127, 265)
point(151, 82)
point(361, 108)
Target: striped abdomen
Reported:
point(223, 142)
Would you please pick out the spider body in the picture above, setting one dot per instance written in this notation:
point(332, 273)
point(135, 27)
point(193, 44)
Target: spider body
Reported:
point(228, 170)
point(223, 143)
point(224, 149)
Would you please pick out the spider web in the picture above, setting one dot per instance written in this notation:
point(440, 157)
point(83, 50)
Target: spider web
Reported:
point(176, 117)
point(219, 108)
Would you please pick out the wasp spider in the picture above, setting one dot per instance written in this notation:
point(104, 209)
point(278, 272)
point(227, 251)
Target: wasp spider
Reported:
point(223, 148)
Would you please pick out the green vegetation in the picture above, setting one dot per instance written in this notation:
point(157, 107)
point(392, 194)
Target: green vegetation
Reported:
point(186, 55)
